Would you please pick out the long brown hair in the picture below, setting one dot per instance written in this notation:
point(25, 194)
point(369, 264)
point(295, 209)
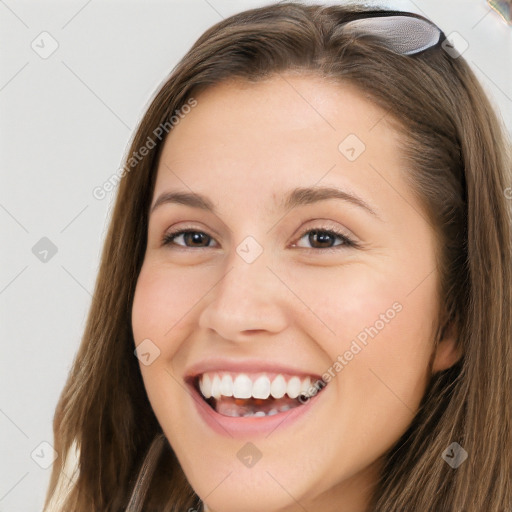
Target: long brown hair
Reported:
point(458, 162)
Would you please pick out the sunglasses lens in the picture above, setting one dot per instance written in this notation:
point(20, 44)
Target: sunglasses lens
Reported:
point(402, 34)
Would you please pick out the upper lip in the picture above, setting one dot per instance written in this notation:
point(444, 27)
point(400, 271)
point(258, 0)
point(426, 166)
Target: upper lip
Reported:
point(244, 366)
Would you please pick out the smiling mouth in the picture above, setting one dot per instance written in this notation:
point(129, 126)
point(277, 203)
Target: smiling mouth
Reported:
point(255, 395)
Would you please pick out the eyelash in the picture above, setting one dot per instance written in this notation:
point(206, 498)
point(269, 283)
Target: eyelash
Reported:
point(168, 239)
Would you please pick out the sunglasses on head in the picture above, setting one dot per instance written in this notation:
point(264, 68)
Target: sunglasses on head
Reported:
point(402, 32)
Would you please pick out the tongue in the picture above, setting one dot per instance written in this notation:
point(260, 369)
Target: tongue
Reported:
point(229, 406)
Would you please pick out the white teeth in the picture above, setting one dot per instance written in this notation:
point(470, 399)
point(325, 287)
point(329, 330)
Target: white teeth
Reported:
point(293, 388)
point(242, 387)
point(216, 387)
point(278, 387)
point(226, 386)
point(304, 386)
point(261, 387)
point(205, 385)
point(223, 384)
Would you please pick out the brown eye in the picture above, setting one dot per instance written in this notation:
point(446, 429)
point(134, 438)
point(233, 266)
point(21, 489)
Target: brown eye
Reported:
point(325, 238)
point(194, 238)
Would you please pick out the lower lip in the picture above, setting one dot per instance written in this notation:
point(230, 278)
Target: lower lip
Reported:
point(252, 426)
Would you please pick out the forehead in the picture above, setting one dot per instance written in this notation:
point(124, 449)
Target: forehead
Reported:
point(265, 137)
point(280, 103)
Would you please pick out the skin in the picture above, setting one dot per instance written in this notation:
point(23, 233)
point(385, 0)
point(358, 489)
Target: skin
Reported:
point(244, 146)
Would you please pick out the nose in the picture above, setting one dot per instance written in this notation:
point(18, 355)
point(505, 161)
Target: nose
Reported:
point(248, 299)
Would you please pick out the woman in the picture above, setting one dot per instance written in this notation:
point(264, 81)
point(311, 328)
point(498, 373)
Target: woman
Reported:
point(339, 337)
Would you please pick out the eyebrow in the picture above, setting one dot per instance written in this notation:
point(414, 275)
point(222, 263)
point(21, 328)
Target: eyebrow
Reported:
point(301, 196)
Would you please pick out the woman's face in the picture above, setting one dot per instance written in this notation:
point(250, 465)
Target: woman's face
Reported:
point(275, 283)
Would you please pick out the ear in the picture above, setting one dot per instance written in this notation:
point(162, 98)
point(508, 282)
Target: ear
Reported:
point(447, 351)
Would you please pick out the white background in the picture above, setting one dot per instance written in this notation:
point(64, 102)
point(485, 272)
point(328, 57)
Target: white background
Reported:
point(65, 124)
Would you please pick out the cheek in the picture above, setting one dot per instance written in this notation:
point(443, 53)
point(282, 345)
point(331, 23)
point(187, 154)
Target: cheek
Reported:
point(381, 387)
point(377, 334)
point(163, 299)
point(162, 306)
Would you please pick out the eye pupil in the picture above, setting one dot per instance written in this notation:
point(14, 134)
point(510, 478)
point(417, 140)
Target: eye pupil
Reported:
point(323, 237)
point(195, 236)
